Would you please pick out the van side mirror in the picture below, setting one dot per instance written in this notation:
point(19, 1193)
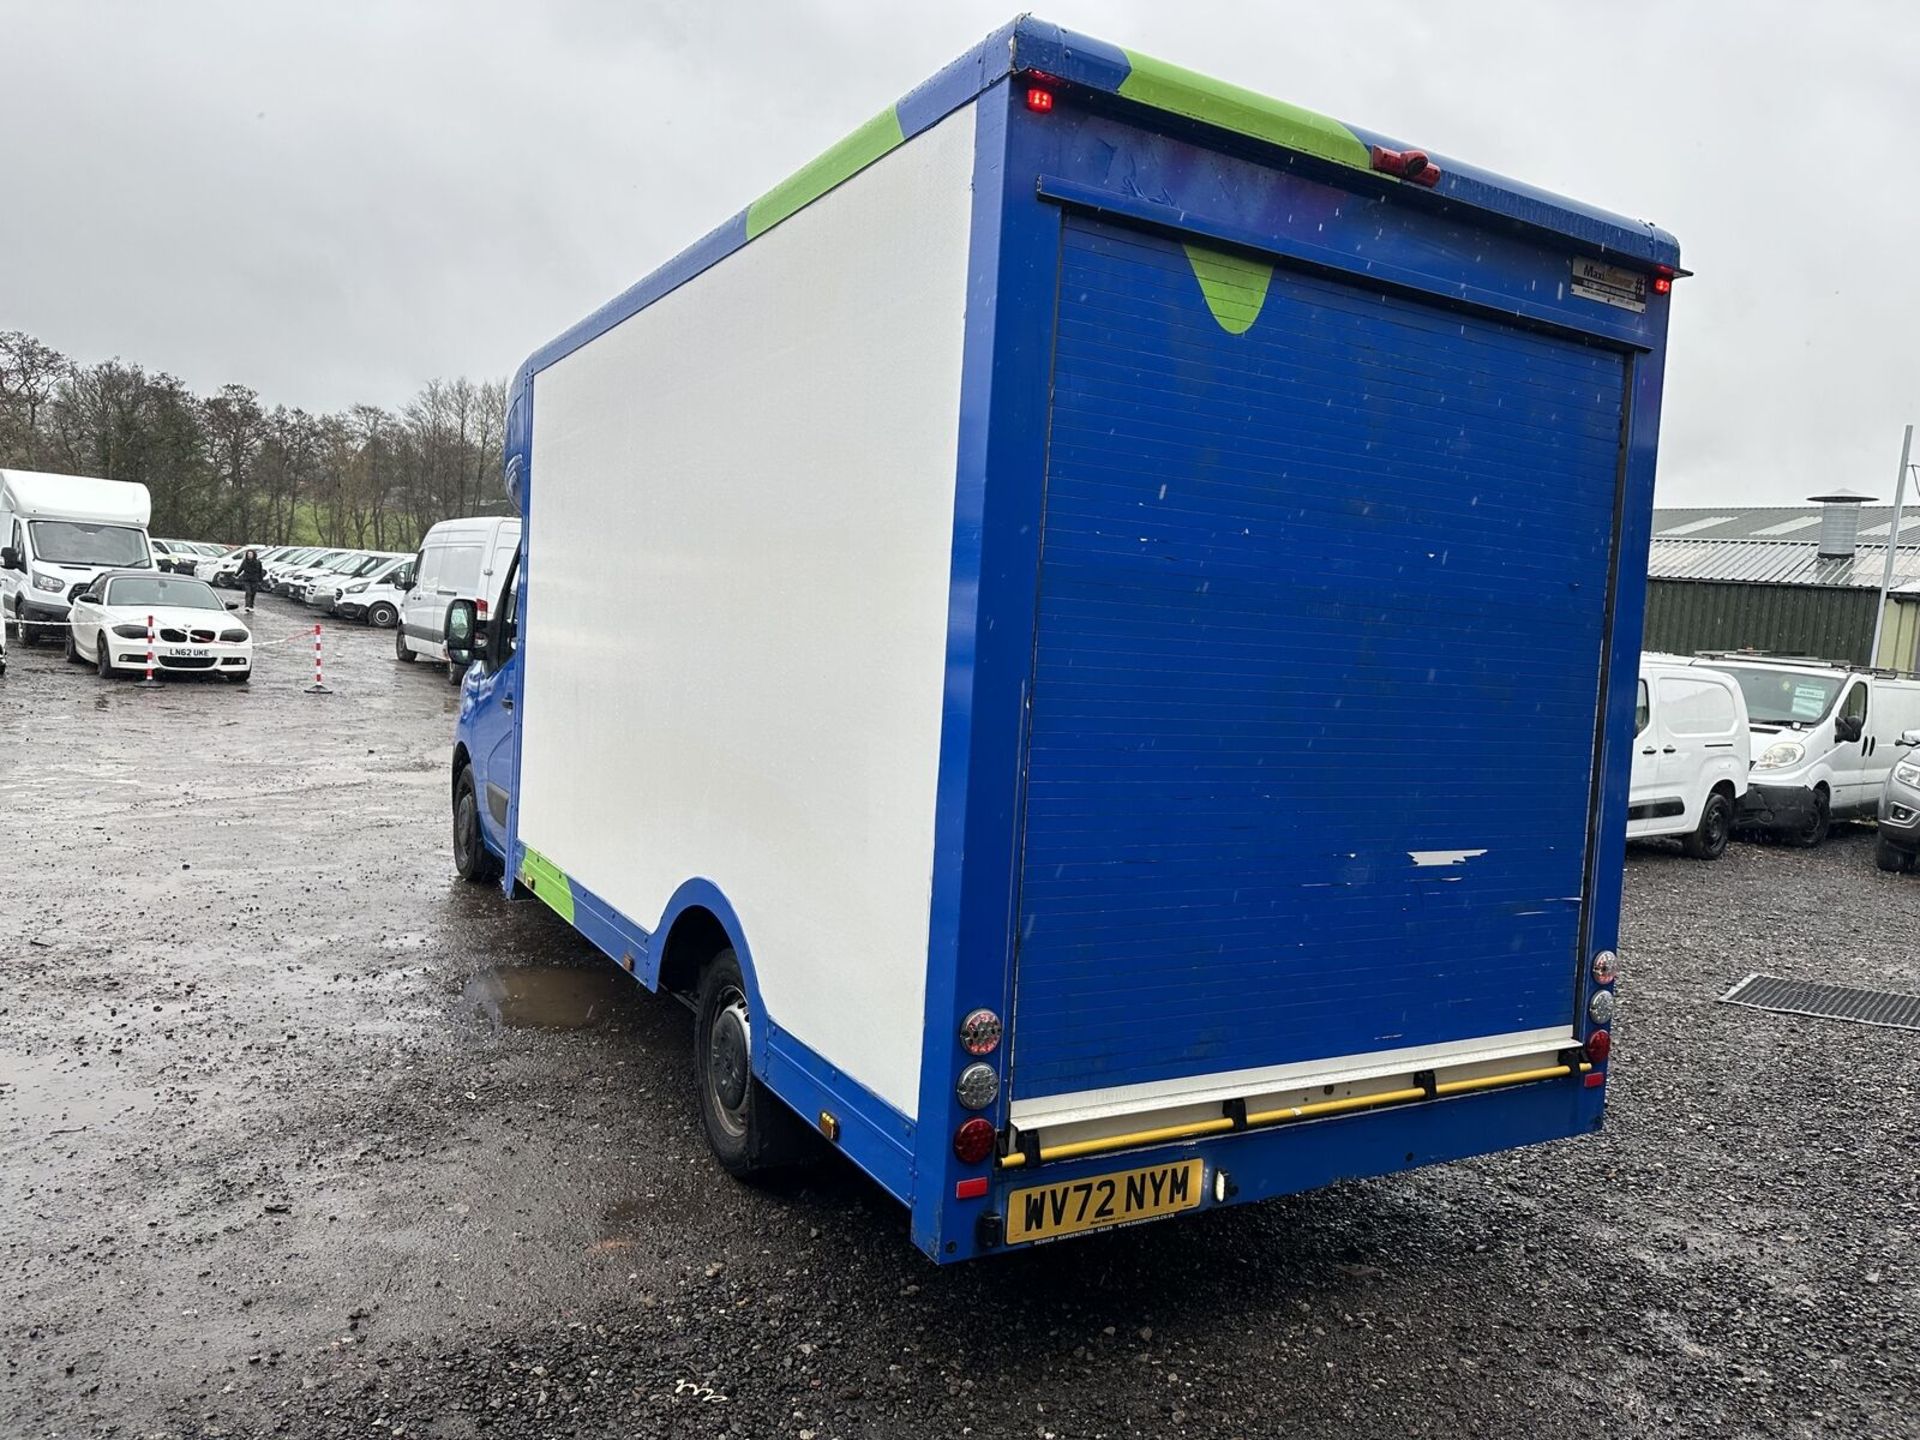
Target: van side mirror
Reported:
point(10, 559)
point(1849, 728)
point(462, 633)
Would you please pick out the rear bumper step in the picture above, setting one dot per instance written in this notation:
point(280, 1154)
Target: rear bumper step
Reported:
point(1237, 1117)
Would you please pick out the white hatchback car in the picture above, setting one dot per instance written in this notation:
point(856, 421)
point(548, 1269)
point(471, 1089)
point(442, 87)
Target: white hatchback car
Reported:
point(192, 631)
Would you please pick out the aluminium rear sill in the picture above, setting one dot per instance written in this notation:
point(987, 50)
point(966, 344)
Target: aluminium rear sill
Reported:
point(1049, 1111)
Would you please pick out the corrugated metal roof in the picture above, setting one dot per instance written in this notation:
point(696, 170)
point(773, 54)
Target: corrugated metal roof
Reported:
point(1777, 562)
point(1765, 522)
point(1779, 545)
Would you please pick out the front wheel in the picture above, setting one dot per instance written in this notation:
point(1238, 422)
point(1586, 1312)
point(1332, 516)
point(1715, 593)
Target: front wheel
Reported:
point(382, 615)
point(1709, 839)
point(103, 656)
point(74, 657)
point(1814, 829)
point(749, 1131)
point(400, 650)
point(1891, 858)
point(471, 858)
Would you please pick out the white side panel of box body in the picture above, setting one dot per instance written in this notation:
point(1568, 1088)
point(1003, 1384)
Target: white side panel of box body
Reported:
point(738, 560)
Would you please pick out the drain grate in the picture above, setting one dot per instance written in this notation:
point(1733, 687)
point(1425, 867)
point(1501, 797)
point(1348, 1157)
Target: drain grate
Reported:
point(1826, 1002)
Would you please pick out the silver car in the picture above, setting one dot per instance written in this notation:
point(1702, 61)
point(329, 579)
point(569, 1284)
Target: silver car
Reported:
point(1899, 847)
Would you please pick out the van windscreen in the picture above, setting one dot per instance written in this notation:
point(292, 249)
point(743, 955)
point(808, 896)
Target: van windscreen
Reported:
point(73, 542)
point(1787, 697)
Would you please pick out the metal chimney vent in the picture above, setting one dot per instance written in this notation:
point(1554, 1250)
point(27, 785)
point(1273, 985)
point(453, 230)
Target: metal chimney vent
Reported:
point(1839, 523)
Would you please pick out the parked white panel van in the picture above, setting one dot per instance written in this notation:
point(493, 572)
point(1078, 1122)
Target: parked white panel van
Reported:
point(1691, 750)
point(463, 559)
point(57, 533)
point(1825, 738)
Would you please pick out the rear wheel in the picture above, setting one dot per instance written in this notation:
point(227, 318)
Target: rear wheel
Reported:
point(471, 858)
point(400, 650)
point(1709, 839)
point(382, 615)
point(1819, 821)
point(1891, 858)
point(749, 1131)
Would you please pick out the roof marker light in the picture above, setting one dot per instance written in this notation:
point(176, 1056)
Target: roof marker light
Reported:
point(1410, 165)
point(1039, 101)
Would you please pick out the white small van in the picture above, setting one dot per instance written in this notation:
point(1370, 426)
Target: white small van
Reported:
point(463, 559)
point(1825, 738)
point(57, 534)
point(1690, 754)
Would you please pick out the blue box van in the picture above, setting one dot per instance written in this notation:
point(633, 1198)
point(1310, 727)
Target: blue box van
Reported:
point(1091, 634)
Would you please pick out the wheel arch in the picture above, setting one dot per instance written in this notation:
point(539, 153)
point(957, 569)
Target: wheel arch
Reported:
point(697, 924)
point(462, 760)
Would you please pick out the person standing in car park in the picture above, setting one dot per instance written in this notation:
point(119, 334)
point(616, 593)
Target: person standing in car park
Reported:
point(250, 574)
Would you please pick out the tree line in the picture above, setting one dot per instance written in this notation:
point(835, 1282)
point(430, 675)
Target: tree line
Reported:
point(225, 467)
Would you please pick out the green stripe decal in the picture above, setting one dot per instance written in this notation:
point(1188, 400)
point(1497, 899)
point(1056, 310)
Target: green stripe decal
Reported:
point(548, 881)
point(842, 162)
point(1235, 286)
point(1168, 87)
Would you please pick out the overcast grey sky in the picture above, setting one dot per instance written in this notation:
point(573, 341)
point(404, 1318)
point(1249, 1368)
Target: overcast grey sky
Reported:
point(335, 202)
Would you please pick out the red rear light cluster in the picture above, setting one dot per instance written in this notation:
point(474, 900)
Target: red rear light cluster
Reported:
point(980, 1032)
point(973, 1141)
point(1600, 1008)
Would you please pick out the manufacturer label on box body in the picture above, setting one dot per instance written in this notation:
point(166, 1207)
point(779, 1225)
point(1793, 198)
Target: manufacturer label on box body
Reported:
point(1609, 284)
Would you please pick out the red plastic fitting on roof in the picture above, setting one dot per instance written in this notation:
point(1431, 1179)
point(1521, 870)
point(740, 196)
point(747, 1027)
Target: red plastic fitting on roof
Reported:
point(1410, 165)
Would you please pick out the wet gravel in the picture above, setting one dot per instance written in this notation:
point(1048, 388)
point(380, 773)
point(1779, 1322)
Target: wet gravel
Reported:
point(299, 1136)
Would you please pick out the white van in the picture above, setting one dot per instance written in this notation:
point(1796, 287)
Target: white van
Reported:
point(1825, 738)
point(459, 560)
point(376, 599)
point(1691, 750)
point(58, 532)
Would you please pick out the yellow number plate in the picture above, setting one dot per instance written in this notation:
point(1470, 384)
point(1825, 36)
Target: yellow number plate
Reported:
point(1043, 1211)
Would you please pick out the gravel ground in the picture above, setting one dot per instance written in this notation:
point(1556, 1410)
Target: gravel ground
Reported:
point(300, 1136)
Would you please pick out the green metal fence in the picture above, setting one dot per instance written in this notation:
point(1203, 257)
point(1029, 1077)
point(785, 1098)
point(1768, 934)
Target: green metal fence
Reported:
point(1829, 621)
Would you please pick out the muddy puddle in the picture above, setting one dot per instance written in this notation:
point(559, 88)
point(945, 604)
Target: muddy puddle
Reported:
point(517, 998)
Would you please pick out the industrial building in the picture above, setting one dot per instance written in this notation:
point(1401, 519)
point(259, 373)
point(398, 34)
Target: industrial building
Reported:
point(1801, 580)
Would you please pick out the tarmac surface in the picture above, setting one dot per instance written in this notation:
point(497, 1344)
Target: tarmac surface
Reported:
point(301, 1136)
